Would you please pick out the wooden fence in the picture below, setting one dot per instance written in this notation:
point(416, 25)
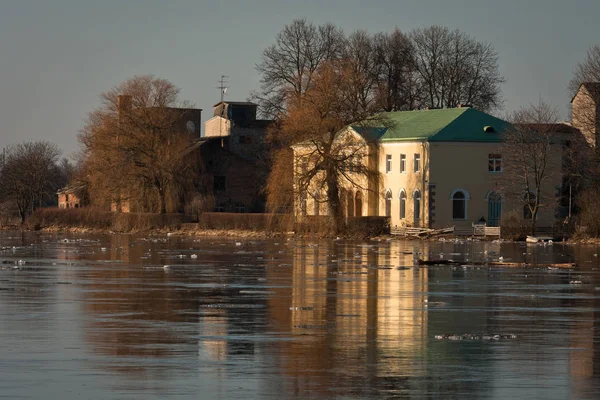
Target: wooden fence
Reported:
point(474, 230)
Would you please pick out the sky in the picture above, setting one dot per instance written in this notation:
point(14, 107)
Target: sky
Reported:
point(57, 56)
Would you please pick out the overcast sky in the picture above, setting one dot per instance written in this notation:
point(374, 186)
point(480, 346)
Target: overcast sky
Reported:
point(57, 56)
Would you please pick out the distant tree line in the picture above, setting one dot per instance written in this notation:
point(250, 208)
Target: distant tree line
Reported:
point(427, 67)
point(30, 175)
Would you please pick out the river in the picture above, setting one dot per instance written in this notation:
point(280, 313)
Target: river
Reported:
point(140, 317)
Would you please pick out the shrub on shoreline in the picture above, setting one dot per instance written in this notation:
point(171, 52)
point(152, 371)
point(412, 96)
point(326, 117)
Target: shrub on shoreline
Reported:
point(90, 218)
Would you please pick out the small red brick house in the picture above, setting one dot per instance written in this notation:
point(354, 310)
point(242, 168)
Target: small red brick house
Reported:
point(72, 196)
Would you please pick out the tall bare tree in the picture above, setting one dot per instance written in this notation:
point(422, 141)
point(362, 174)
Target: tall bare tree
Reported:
point(586, 71)
point(532, 159)
point(288, 66)
point(454, 69)
point(135, 147)
point(30, 175)
point(396, 77)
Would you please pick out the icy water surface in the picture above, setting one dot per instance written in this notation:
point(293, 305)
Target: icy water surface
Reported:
point(132, 317)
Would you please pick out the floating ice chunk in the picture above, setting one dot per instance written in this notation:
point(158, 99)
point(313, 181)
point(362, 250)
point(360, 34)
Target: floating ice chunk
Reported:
point(238, 243)
point(169, 234)
point(166, 266)
point(194, 256)
point(575, 282)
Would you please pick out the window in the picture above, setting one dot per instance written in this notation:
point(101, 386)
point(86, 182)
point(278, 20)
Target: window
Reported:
point(358, 204)
point(459, 205)
point(402, 204)
point(388, 203)
point(219, 183)
point(220, 208)
point(495, 163)
point(417, 205)
point(388, 163)
point(417, 163)
point(240, 208)
point(402, 162)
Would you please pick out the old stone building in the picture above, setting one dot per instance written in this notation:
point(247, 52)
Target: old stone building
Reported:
point(234, 154)
point(74, 195)
point(585, 110)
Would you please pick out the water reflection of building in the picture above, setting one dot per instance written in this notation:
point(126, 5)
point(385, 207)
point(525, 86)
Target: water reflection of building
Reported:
point(360, 318)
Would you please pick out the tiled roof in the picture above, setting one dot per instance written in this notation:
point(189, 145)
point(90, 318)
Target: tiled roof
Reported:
point(438, 125)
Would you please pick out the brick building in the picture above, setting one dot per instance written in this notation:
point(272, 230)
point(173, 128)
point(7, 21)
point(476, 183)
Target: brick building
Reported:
point(234, 152)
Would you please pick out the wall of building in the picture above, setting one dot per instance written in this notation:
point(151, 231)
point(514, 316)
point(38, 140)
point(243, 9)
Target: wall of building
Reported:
point(242, 181)
point(395, 182)
point(358, 196)
point(456, 166)
point(585, 113)
point(68, 200)
point(217, 126)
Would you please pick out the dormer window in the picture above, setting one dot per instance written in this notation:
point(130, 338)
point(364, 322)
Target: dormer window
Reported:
point(489, 129)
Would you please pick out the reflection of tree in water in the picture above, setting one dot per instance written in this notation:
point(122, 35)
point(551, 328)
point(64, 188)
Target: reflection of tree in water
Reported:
point(144, 314)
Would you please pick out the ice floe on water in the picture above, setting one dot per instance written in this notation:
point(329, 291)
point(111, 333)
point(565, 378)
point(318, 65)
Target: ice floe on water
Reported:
point(476, 336)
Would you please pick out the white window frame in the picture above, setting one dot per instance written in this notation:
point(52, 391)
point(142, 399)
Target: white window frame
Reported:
point(402, 163)
point(417, 163)
point(466, 201)
point(495, 162)
point(388, 163)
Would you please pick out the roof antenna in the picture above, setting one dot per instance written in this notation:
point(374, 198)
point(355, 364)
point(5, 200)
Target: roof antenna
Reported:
point(223, 86)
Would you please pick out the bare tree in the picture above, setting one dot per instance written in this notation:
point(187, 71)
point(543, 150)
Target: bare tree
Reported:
point(326, 159)
point(135, 147)
point(396, 77)
point(288, 66)
point(587, 70)
point(30, 175)
point(454, 69)
point(531, 159)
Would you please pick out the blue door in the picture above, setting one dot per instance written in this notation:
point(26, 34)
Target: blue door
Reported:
point(494, 209)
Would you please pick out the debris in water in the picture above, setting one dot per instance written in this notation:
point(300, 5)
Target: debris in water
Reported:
point(473, 336)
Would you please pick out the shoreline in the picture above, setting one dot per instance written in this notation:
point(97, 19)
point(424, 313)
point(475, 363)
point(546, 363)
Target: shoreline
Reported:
point(246, 233)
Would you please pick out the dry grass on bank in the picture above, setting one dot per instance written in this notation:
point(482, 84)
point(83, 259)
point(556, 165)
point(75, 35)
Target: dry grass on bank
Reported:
point(90, 219)
point(210, 224)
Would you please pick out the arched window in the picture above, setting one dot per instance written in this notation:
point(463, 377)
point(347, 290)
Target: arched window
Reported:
point(358, 204)
point(388, 203)
point(459, 198)
point(350, 203)
point(402, 204)
point(417, 206)
point(459, 206)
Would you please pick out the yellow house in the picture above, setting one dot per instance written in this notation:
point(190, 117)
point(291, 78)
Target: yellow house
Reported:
point(437, 168)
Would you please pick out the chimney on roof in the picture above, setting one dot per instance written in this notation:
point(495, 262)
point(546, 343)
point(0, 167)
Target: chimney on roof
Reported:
point(433, 108)
point(465, 106)
point(123, 106)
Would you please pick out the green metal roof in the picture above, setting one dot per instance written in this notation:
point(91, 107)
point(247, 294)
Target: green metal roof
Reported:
point(441, 125)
